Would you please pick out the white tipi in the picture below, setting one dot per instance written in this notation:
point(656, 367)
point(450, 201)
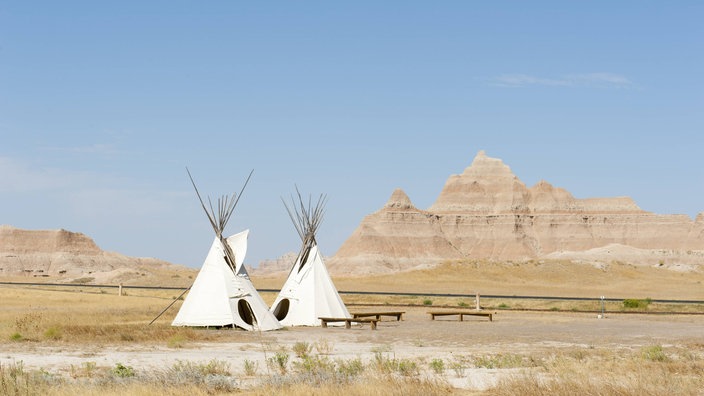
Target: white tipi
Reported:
point(308, 292)
point(222, 294)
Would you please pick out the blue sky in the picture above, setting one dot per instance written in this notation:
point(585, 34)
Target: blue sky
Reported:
point(102, 106)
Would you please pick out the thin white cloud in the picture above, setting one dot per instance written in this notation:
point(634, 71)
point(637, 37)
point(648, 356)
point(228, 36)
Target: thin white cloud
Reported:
point(18, 177)
point(97, 148)
point(571, 80)
point(84, 193)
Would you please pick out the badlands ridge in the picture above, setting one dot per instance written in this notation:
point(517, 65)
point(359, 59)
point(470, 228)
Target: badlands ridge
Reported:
point(73, 256)
point(488, 213)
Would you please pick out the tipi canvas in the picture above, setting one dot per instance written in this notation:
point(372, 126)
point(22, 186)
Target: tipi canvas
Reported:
point(222, 294)
point(308, 293)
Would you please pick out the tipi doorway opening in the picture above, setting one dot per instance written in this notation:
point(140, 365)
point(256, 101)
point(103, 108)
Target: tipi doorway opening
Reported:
point(281, 309)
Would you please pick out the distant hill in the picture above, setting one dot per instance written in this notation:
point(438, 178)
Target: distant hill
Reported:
point(65, 256)
point(488, 213)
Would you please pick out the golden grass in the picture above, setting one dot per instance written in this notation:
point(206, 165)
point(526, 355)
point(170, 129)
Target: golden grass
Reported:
point(371, 387)
point(653, 370)
point(545, 277)
point(70, 316)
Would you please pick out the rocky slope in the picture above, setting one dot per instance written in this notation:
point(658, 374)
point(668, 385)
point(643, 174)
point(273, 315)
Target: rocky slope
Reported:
point(488, 213)
point(61, 255)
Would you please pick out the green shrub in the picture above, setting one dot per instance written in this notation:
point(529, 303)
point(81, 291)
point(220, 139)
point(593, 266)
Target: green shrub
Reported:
point(636, 303)
point(654, 353)
point(350, 368)
point(427, 301)
point(16, 336)
point(503, 306)
point(122, 371)
point(279, 361)
point(407, 367)
point(438, 366)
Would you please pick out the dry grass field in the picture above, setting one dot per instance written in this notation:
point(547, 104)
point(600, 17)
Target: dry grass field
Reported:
point(90, 341)
point(543, 278)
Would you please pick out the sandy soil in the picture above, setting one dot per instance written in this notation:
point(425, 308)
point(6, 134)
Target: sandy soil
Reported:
point(416, 337)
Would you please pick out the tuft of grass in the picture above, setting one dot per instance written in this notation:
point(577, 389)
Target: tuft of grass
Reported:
point(314, 365)
point(323, 346)
point(302, 349)
point(427, 301)
point(350, 368)
point(383, 363)
point(499, 361)
point(16, 337)
point(250, 368)
point(176, 341)
point(86, 370)
point(212, 367)
point(53, 333)
point(458, 368)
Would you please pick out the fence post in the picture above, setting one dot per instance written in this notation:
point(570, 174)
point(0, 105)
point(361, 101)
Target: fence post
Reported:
point(119, 290)
point(476, 300)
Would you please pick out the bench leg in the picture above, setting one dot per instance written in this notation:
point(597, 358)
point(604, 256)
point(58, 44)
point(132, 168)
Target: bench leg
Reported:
point(461, 318)
point(348, 324)
point(324, 324)
point(373, 325)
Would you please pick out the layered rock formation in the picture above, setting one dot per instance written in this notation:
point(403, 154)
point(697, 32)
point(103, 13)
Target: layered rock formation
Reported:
point(62, 254)
point(488, 213)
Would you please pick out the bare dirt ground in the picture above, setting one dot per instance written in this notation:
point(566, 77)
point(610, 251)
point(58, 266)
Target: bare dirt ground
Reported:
point(416, 337)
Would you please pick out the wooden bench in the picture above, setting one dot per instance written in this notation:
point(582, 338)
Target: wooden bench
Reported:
point(397, 314)
point(461, 314)
point(348, 321)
